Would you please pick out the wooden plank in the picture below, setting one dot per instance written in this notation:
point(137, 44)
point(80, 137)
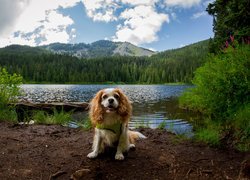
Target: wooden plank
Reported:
point(25, 109)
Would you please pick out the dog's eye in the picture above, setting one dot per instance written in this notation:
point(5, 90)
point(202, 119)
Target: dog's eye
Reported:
point(104, 97)
point(116, 96)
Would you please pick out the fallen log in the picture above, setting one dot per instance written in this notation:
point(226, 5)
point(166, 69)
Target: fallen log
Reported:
point(26, 109)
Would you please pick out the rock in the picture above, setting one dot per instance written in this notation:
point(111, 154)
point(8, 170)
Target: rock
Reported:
point(80, 174)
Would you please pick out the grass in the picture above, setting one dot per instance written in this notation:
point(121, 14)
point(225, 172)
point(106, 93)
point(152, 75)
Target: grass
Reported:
point(8, 114)
point(178, 138)
point(142, 124)
point(243, 147)
point(162, 125)
point(209, 136)
point(41, 117)
point(85, 124)
point(235, 127)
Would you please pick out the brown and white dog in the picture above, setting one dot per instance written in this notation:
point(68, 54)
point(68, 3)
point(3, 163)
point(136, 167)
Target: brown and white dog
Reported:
point(110, 112)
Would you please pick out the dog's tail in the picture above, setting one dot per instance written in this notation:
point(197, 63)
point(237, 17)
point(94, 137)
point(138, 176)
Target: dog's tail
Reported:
point(134, 135)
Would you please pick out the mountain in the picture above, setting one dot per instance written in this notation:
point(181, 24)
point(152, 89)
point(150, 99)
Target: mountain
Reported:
point(194, 50)
point(23, 49)
point(102, 48)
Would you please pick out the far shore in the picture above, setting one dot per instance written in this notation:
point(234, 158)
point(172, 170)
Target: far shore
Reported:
point(102, 83)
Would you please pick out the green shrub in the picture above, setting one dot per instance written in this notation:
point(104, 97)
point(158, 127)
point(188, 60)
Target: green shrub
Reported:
point(241, 118)
point(9, 90)
point(222, 84)
point(241, 123)
point(222, 92)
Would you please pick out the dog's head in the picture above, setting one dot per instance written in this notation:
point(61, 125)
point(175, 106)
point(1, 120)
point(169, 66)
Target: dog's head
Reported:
point(111, 100)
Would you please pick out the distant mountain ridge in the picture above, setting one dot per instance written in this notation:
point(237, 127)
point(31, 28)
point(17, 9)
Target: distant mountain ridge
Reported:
point(105, 48)
point(102, 48)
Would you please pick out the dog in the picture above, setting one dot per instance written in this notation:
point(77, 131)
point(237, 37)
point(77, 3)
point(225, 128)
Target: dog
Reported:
point(110, 112)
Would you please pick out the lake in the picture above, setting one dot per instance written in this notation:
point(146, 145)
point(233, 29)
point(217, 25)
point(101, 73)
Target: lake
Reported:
point(153, 105)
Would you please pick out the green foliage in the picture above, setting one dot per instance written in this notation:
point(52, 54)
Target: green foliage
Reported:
point(169, 66)
point(208, 135)
point(222, 92)
point(162, 125)
point(41, 117)
point(241, 123)
point(230, 18)
point(8, 114)
point(222, 84)
point(241, 119)
point(9, 90)
point(85, 124)
point(141, 124)
point(9, 87)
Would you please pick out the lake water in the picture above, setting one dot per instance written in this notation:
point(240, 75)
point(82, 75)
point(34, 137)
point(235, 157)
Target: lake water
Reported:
point(153, 105)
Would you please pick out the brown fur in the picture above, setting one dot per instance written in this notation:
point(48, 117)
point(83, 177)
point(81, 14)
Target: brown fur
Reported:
point(133, 136)
point(96, 111)
point(125, 108)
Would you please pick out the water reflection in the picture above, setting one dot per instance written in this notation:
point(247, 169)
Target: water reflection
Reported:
point(153, 105)
point(164, 113)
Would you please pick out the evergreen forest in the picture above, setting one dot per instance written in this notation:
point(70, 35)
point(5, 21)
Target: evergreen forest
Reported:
point(37, 65)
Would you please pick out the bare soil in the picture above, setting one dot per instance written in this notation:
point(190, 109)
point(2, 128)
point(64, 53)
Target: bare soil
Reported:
point(57, 152)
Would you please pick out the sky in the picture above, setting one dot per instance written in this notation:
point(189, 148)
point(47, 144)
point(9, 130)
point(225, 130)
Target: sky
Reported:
point(154, 24)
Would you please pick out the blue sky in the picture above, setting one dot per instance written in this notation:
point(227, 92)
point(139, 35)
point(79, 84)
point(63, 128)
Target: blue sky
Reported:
point(153, 24)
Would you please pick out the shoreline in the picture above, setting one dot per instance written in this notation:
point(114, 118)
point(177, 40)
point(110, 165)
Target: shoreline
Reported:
point(104, 83)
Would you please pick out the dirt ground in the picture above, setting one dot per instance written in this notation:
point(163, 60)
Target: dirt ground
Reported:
point(56, 152)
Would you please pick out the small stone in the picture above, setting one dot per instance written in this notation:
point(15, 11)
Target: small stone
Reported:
point(79, 174)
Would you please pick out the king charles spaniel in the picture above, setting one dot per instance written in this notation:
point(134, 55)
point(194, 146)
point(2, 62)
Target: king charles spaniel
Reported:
point(110, 112)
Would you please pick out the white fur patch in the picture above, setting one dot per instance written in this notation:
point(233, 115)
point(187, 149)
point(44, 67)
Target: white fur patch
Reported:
point(110, 96)
point(109, 90)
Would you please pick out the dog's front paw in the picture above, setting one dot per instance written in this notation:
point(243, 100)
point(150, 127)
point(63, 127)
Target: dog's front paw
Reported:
point(119, 156)
point(131, 147)
point(92, 155)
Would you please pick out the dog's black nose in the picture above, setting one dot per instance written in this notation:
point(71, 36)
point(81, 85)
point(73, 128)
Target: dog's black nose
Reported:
point(111, 101)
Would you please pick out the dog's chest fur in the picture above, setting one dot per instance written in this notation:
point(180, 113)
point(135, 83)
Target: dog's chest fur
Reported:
point(108, 136)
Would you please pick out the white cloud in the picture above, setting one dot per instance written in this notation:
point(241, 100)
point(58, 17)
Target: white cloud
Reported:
point(182, 45)
point(9, 11)
point(101, 10)
point(182, 3)
point(198, 15)
point(37, 22)
point(140, 2)
point(141, 25)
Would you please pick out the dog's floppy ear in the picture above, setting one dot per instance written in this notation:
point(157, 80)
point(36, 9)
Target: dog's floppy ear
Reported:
point(96, 111)
point(125, 108)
